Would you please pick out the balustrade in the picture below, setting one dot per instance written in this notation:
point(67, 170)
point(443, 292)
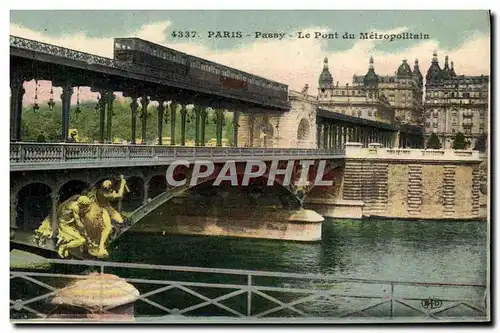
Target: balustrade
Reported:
point(54, 153)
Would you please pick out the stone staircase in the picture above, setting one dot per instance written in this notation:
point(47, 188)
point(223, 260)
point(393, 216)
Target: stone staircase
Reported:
point(448, 190)
point(352, 181)
point(476, 182)
point(367, 182)
point(414, 195)
point(374, 188)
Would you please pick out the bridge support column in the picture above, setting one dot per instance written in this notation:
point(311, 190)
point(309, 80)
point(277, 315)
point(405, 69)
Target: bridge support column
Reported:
point(16, 107)
point(173, 112)
point(13, 211)
point(110, 96)
point(161, 109)
point(325, 135)
point(197, 126)
point(203, 124)
point(236, 119)
point(133, 123)
point(67, 91)
point(53, 217)
point(251, 119)
point(331, 135)
point(144, 117)
point(334, 136)
point(318, 134)
point(183, 124)
point(146, 193)
point(101, 105)
point(219, 114)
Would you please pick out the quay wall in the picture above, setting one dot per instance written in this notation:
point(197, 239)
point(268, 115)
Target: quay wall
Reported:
point(413, 183)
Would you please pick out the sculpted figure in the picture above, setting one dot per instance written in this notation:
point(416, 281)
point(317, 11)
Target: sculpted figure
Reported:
point(71, 233)
point(84, 220)
point(104, 196)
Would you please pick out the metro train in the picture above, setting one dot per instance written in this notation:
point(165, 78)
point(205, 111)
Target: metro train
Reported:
point(199, 71)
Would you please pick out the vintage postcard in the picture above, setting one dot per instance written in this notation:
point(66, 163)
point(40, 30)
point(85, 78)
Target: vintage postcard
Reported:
point(286, 166)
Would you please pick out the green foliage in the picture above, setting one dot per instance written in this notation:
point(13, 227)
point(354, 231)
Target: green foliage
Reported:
point(433, 142)
point(87, 123)
point(459, 141)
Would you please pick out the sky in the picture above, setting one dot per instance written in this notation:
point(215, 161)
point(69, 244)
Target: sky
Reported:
point(462, 35)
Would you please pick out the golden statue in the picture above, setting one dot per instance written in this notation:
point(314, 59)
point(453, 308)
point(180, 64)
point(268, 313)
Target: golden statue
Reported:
point(84, 221)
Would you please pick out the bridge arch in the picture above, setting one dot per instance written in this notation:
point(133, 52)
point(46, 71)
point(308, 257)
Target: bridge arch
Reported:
point(136, 197)
point(333, 172)
point(72, 187)
point(156, 185)
point(33, 205)
point(304, 130)
point(286, 198)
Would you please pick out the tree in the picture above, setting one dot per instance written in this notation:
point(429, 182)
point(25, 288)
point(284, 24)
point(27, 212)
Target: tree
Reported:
point(433, 142)
point(459, 141)
point(481, 143)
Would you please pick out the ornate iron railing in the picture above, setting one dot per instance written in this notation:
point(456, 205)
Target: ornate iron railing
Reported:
point(257, 295)
point(62, 155)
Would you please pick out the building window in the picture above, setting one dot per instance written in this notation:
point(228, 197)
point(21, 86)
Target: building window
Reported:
point(369, 113)
point(466, 95)
point(343, 93)
point(359, 113)
point(427, 124)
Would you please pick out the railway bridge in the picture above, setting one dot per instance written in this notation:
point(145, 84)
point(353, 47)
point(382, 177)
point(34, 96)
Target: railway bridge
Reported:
point(374, 168)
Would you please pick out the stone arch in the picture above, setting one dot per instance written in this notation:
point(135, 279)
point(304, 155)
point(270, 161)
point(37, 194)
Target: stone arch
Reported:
point(34, 204)
point(303, 130)
point(333, 172)
point(264, 133)
point(157, 184)
point(287, 196)
point(135, 198)
point(72, 187)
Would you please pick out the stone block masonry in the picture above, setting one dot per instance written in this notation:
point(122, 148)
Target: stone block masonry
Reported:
point(412, 183)
point(448, 190)
point(476, 180)
point(414, 193)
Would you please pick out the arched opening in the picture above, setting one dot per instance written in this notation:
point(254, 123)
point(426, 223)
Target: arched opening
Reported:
point(34, 204)
point(71, 188)
point(134, 198)
point(157, 185)
point(266, 134)
point(327, 192)
point(228, 200)
point(303, 130)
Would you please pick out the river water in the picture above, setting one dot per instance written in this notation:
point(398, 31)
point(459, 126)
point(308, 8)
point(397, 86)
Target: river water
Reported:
point(368, 249)
point(417, 251)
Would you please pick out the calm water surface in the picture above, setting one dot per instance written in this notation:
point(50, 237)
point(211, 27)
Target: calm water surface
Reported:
point(369, 249)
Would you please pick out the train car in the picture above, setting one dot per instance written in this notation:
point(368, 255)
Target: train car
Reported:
point(139, 51)
point(200, 72)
